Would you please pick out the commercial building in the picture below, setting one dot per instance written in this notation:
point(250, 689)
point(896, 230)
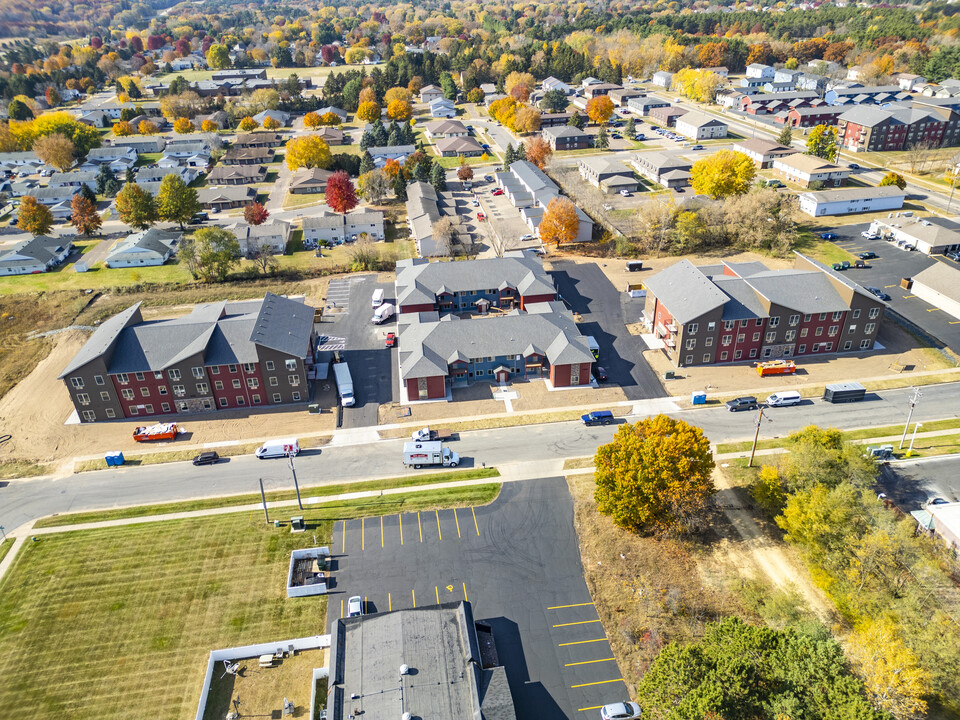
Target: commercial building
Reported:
point(806, 169)
point(35, 255)
point(939, 285)
point(930, 235)
point(531, 336)
point(221, 355)
point(145, 248)
point(762, 152)
point(698, 126)
point(852, 200)
point(565, 137)
point(743, 311)
point(431, 661)
point(607, 174)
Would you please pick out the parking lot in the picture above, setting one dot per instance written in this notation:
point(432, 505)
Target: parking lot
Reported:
point(587, 291)
point(888, 269)
point(517, 561)
point(911, 484)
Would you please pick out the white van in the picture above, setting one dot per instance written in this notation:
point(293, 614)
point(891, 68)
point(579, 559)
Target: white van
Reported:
point(278, 448)
point(788, 397)
point(378, 297)
point(382, 313)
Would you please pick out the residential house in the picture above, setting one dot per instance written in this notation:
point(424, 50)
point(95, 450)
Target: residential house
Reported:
point(807, 117)
point(445, 129)
point(147, 247)
point(425, 206)
point(52, 196)
point(551, 83)
point(95, 118)
point(729, 97)
point(278, 115)
point(335, 228)
point(643, 105)
point(852, 200)
point(599, 89)
point(663, 79)
point(783, 75)
point(210, 141)
point(760, 71)
point(566, 137)
point(762, 152)
point(456, 146)
point(671, 170)
point(331, 135)
point(118, 158)
point(807, 169)
point(854, 73)
point(719, 70)
point(774, 87)
point(442, 108)
point(430, 93)
point(667, 115)
point(76, 178)
point(752, 83)
point(261, 139)
point(607, 174)
point(218, 117)
point(237, 174)
point(239, 74)
point(222, 355)
point(622, 95)
point(157, 174)
point(252, 238)
point(219, 199)
point(875, 95)
point(309, 180)
point(812, 82)
point(734, 312)
point(381, 154)
point(36, 255)
point(698, 126)
point(19, 159)
point(342, 114)
point(247, 156)
point(142, 144)
point(530, 190)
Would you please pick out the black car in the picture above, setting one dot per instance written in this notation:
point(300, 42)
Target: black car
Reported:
point(598, 417)
point(878, 293)
point(206, 458)
point(867, 255)
point(742, 403)
point(600, 374)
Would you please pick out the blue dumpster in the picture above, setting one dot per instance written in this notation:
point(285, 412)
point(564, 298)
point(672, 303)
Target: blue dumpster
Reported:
point(698, 398)
point(114, 458)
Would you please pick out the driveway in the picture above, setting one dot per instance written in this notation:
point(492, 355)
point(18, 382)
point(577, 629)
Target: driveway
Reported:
point(371, 364)
point(886, 271)
point(587, 291)
point(518, 562)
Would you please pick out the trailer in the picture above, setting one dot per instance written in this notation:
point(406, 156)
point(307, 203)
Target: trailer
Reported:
point(844, 392)
point(418, 454)
point(776, 367)
point(160, 431)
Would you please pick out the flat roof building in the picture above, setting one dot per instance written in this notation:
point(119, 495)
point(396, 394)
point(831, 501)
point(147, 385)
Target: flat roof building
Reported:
point(852, 200)
point(930, 235)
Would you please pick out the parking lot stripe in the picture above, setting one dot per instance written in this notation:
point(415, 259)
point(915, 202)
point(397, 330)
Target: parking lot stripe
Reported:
point(465, 593)
point(439, 531)
point(560, 607)
point(363, 535)
point(475, 526)
point(413, 594)
point(581, 642)
point(381, 531)
point(436, 590)
point(456, 520)
point(579, 622)
point(886, 287)
point(953, 322)
point(343, 544)
point(599, 682)
point(400, 522)
point(389, 603)
point(420, 525)
point(587, 662)
point(907, 297)
point(595, 707)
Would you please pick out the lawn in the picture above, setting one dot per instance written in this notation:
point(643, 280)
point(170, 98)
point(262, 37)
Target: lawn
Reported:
point(135, 610)
point(97, 278)
point(297, 200)
point(822, 250)
point(454, 162)
point(5, 546)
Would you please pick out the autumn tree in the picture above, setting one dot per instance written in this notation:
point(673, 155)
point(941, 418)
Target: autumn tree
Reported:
point(307, 151)
point(560, 223)
point(136, 206)
point(400, 110)
point(176, 201)
point(311, 120)
point(209, 126)
point(600, 109)
point(146, 127)
point(527, 120)
point(255, 213)
point(271, 123)
point(822, 142)
point(892, 178)
point(248, 123)
point(723, 174)
point(34, 217)
point(265, 259)
point(398, 93)
point(368, 111)
point(84, 216)
point(341, 196)
point(891, 671)
point(538, 151)
point(330, 119)
point(699, 85)
point(374, 186)
point(122, 128)
point(464, 172)
point(218, 57)
point(56, 150)
point(183, 126)
point(210, 254)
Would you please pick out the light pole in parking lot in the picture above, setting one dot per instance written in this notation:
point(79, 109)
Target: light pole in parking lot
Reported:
point(913, 403)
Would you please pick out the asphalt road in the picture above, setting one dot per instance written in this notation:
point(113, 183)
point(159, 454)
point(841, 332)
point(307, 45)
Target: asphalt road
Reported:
point(587, 291)
point(911, 484)
point(886, 271)
point(24, 500)
point(518, 562)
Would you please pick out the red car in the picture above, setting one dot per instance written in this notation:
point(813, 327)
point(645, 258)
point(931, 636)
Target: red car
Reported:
point(498, 191)
point(391, 340)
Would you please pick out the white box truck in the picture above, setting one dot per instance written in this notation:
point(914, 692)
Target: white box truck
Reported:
point(419, 454)
point(278, 448)
point(384, 312)
point(344, 383)
point(377, 299)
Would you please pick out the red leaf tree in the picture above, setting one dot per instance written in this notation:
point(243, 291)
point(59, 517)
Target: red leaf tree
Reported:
point(255, 213)
point(341, 195)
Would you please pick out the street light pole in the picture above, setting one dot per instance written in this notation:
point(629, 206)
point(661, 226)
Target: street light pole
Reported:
point(756, 435)
point(913, 403)
point(293, 469)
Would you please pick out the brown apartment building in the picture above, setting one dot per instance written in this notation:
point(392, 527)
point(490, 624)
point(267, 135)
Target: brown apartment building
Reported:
point(735, 312)
point(221, 355)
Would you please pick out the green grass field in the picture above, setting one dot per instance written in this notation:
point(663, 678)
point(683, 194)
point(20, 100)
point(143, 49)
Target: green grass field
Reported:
point(108, 623)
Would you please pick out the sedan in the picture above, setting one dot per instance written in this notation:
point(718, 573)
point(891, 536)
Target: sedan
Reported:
point(625, 193)
point(878, 293)
point(828, 236)
point(867, 255)
point(355, 606)
point(497, 192)
point(206, 458)
point(391, 340)
point(870, 235)
point(742, 403)
point(854, 166)
point(620, 711)
point(840, 266)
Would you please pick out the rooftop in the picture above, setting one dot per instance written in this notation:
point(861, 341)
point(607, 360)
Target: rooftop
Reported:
point(942, 278)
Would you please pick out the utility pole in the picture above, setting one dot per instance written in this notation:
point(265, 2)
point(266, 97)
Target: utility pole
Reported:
point(264, 499)
point(913, 403)
point(295, 485)
point(913, 437)
point(756, 435)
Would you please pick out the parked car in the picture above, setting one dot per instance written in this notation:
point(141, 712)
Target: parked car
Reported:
point(867, 255)
point(742, 403)
point(498, 191)
point(697, 147)
point(840, 266)
point(955, 256)
point(355, 606)
point(625, 193)
point(870, 235)
point(640, 136)
point(206, 458)
point(598, 417)
point(526, 237)
point(828, 236)
point(854, 166)
point(391, 340)
point(878, 293)
point(620, 711)
point(600, 374)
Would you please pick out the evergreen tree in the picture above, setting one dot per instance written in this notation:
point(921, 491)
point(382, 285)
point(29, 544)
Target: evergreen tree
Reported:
point(577, 120)
point(400, 187)
point(785, 137)
point(366, 163)
point(521, 153)
point(421, 172)
point(112, 187)
point(508, 157)
point(130, 176)
point(602, 142)
point(394, 138)
point(438, 177)
point(631, 128)
point(104, 175)
point(379, 133)
point(367, 140)
point(408, 135)
point(87, 193)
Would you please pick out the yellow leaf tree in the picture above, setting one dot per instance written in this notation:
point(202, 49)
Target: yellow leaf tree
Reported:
point(307, 151)
point(311, 120)
point(147, 128)
point(655, 476)
point(600, 109)
point(248, 124)
point(723, 174)
point(209, 126)
point(368, 111)
point(560, 223)
point(399, 110)
point(891, 671)
point(271, 123)
point(527, 120)
point(397, 93)
point(183, 126)
point(122, 128)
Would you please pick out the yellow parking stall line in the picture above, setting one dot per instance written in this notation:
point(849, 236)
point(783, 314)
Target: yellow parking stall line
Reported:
point(588, 662)
point(599, 682)
point(343, 544)
point(579, 622)
point(363, 535)
point(578, 642)
point(413, 594)
point(953, 322)
point(932, 309)
point(389, 603)
point(436, 589)
point(561, 607)
point(907, 297)
point(887, 287)
point(465, 593)
point(420, 525)
point(457, 520)
point(400, 523)
point(475, 526)
point(439, 531)
point(381, 531)
point(595, 707)
point(341, 608)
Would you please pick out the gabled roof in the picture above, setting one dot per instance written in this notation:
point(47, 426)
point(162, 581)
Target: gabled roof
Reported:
point(942, 278)
point(103, 338)
point(419, 281)
point(153, 240)
point(685, 291)
point(41, 249)
point(458, 144)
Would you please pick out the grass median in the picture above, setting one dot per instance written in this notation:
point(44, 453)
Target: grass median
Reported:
point(135, 610)
point(278, 495)
point(534, 418)
point(5, 546)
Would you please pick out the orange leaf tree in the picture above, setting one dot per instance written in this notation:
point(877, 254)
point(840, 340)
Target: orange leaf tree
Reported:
point(122, 128)
point(33, 216)
point(84, 216)
point(560, 223)
point(538, 151)
point(655, 476)
point(599, 109)
point(341, 196)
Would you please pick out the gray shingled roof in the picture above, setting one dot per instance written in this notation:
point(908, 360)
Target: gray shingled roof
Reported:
point(42, 248)
point(942, 278)
point(806, 291)
point(103, 338)
point(421, 281)
point(685, 291)
point(744, 303)
point(222, 173)
point(283, 325)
